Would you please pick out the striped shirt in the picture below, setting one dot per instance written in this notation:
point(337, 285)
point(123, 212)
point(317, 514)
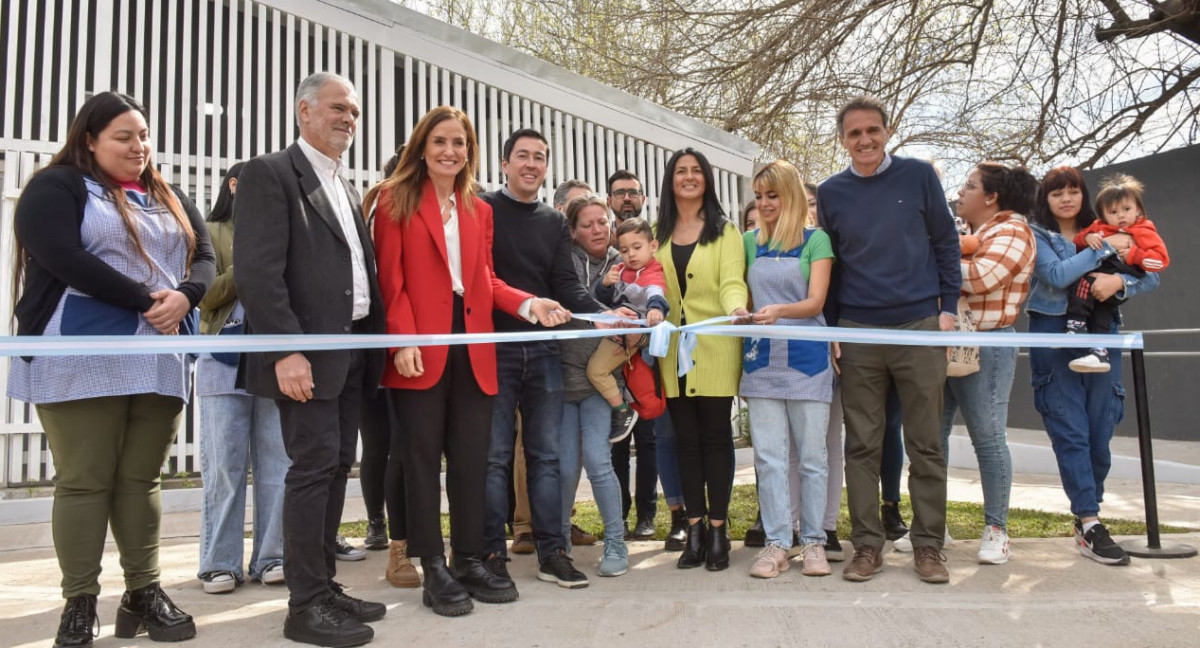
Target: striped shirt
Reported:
point(996, 278)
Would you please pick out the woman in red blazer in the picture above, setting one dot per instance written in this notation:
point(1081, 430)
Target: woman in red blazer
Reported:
point(433, 242)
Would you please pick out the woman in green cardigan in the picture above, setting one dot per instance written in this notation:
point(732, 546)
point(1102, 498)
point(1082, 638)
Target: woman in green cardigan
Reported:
point(702, 257)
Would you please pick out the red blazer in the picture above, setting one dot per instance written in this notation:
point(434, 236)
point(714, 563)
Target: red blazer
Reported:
point(1148, 252)
point(417, 292)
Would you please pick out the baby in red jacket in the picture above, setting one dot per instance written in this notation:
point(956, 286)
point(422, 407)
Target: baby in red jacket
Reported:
point(1119, 204)
point(639, 283)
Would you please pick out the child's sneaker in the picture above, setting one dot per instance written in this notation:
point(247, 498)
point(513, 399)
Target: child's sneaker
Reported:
point(1099, 546)
point(1094, 362)
point(623, 418)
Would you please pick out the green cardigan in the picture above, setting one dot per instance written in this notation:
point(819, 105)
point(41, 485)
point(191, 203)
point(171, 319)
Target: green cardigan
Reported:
point(218, 301)
point(716, 287)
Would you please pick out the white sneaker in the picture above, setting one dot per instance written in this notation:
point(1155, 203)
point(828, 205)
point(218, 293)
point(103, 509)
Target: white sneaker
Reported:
point(346, 551)
point(993, 546)
point(904, 543)
point(273, 575)
point(218, 582)
point(1089, 363)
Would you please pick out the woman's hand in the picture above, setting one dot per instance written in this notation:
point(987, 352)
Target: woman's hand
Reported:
point(768, 314)
point(741, 316)
point(1119, 241)
point(1106, 285)
point(408, 362)
point(548, 312)
point(170, 306)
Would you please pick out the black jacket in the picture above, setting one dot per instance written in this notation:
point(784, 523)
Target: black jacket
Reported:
point(293, 270)
point(48, 218)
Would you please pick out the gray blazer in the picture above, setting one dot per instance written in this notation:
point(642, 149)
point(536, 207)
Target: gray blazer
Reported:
point(293, 271)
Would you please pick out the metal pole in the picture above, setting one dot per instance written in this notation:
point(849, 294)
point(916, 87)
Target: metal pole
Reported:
point(1152, 547)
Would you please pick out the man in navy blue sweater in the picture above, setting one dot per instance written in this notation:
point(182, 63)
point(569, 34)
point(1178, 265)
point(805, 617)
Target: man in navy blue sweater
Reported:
point(898, 268)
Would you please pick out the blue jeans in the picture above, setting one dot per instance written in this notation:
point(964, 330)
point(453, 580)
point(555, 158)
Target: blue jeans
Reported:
point(1080, 412)
point(238, 432)
point(983, 398)
point(584, 432)
point(667, 457)
point(775, 425)
point(530, 379)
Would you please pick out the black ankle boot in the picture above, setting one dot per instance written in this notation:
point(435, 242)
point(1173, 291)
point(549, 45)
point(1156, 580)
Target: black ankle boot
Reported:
point(678, 534)
point(717, 548)
point(377, 537)
point(150, 610)
point(756, 536)
point(893, 525)
point(79, 623)
point(480, 583)
point(443, 594)
point(694, 549)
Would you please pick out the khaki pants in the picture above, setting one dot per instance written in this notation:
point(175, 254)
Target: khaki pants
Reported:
point(608, 357)
point(108, 453)
point(919, 373)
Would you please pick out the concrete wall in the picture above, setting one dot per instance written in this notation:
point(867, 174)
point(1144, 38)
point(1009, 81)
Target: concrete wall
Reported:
point(1172, 195)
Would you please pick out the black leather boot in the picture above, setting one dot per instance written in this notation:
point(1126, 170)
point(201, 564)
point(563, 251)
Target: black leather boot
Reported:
point(893, 525)
point(717, 548)
point(79, 623)
point(756, 536)
point(678, 534)
point(443, 594)
point(693, 549)
point(481, 584)
point(150, 610)
point(377, 537)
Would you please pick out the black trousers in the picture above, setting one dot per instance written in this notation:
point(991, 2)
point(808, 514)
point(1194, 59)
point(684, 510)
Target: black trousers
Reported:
point(646, 481)
point(704, 440)
point(1085, 312)
point(320, 437)
point(454, 417)
point(380, 471)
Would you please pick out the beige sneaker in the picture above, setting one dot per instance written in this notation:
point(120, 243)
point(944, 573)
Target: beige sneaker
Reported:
point(927, 562)
point(771, 561)
point(400, 570)
point(867, 562)
point(815, 563)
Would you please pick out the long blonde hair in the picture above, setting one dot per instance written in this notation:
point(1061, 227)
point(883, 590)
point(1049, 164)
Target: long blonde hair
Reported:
point(784, 179)
point(408, 180)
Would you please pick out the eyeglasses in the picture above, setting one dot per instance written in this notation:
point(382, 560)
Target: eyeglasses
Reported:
point(626, 193)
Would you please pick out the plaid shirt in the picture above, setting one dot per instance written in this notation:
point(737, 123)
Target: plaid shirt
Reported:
point(996, 278)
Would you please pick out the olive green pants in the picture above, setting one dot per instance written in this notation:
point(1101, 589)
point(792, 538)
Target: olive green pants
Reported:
point(108, 452)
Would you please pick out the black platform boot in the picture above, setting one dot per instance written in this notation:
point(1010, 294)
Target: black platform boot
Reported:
point(445, 595)
point(893, 525)
point(79, 623)
point(693, 549)
point(481, 584)
point(150, 610)
point(717, 548)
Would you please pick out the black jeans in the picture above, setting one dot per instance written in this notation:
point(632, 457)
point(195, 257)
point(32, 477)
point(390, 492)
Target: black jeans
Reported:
point(704, 437)
point(646, 484)
point(320, 437)
point(381, 471)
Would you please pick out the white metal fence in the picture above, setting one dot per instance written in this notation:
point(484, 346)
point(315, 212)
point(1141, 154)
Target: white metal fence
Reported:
point(219, 78)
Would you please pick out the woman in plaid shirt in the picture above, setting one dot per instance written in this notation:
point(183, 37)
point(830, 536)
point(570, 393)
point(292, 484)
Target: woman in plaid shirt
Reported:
point(995, 282)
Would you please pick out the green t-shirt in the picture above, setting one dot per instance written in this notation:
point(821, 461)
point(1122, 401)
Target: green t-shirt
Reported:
point(816, 248)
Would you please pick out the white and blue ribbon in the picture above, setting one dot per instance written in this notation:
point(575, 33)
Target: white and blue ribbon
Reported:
point(659, 339)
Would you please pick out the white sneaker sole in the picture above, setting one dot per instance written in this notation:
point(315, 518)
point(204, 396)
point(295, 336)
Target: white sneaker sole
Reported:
point(1088, 367)
point(992, 560)
point(219, 587)
point(273, 578)
point(551, 578)
point(1087, 553)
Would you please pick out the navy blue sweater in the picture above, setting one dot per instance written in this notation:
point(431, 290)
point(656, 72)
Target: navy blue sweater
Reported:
point(895, 243)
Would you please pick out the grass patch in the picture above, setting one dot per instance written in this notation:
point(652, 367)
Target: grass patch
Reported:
point(965, 520)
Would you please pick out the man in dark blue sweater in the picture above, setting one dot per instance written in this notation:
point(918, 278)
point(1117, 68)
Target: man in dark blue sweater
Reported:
point(898, 268)
point(531, 251)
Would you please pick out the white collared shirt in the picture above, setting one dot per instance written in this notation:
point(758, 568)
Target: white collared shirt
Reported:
point(329, 172)
point(453, 247)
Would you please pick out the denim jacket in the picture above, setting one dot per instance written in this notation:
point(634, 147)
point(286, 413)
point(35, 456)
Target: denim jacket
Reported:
point(1059, 266)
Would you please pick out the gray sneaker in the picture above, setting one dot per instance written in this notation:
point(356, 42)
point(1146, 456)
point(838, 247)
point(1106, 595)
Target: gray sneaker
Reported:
point(347, 551)
point(616, 558)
